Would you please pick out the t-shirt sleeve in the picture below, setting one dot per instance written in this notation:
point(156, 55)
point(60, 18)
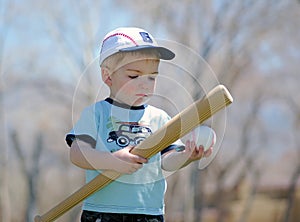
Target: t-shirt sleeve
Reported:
point(178, 147)
point(85, 128)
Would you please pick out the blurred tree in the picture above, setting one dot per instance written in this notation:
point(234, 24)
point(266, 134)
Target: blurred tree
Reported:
point(30, 169)
point(292, 189)
point(76, 39)
point(66, 84)
point(6, 16)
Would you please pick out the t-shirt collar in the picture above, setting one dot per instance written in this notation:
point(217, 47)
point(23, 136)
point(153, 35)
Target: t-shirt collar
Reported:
point(122, 105)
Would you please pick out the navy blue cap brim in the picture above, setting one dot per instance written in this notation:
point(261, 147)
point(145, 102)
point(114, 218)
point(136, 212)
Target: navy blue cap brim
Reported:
point(164, 53)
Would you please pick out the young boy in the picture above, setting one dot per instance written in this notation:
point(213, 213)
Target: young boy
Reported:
point(107, 131)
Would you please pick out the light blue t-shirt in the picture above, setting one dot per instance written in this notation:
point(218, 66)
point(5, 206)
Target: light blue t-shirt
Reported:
point(110, 126)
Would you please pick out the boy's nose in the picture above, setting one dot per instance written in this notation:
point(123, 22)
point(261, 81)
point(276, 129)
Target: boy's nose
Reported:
point(145, 83)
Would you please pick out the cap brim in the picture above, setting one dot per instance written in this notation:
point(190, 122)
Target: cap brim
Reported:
point(164, 53)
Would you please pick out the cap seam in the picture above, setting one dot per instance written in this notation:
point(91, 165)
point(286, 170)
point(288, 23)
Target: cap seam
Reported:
point(122, 34)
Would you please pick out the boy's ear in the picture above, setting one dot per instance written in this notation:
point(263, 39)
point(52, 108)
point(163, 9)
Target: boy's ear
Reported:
point(106, 76)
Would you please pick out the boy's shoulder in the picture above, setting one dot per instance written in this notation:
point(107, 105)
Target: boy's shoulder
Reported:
point(95, 107)
point(157, 111)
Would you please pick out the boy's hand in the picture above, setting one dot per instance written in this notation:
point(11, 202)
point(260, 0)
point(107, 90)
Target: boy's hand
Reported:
point(127, 162)
point(196, 153)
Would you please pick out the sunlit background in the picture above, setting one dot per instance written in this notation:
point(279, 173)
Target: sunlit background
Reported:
point(46, 78)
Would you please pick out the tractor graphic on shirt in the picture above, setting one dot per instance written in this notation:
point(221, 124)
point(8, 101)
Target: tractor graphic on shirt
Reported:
point(129, 134)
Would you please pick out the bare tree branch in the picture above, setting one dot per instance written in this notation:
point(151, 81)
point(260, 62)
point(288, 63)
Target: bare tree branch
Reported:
point(30, 171)
point(292, 189)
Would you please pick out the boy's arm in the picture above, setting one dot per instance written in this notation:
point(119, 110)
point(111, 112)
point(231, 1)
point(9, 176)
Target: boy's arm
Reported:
point(84, 156)
point(173, 160)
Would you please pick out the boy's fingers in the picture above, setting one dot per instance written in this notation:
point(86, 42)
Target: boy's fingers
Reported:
point(193, 144)
point(129, 148)
point(208, 152)
point(135, 158)
point(201, 149)
point(139, 159)
point(188, 144)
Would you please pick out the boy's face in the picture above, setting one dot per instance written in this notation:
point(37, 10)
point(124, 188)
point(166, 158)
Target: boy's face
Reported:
point(134, 83)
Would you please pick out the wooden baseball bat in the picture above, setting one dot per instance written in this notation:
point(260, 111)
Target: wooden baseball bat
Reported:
point(185, 121)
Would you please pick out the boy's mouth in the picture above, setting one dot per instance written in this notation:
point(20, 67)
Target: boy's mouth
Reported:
point(142, 95)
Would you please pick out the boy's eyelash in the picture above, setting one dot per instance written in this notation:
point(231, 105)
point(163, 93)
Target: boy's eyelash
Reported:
point(150, 77)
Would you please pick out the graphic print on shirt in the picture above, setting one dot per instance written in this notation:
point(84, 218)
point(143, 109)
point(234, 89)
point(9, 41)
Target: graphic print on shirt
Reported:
point(129, 133)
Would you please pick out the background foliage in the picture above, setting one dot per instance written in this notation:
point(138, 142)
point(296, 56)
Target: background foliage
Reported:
point(252, 47)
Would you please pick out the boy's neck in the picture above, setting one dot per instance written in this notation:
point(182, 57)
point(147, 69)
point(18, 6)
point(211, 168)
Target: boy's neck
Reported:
point(123, 105)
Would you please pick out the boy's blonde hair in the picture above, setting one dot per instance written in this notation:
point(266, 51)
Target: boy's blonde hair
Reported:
point(120, 59)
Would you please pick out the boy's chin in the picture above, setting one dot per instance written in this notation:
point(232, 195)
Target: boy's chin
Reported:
point(141, 101)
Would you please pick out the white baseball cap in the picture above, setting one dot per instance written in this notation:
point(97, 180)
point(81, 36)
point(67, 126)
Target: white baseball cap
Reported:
point(127, 39)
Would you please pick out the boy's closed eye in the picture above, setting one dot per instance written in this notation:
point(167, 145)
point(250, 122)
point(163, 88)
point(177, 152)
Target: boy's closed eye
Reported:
point(133, 76)
point(150, 76)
